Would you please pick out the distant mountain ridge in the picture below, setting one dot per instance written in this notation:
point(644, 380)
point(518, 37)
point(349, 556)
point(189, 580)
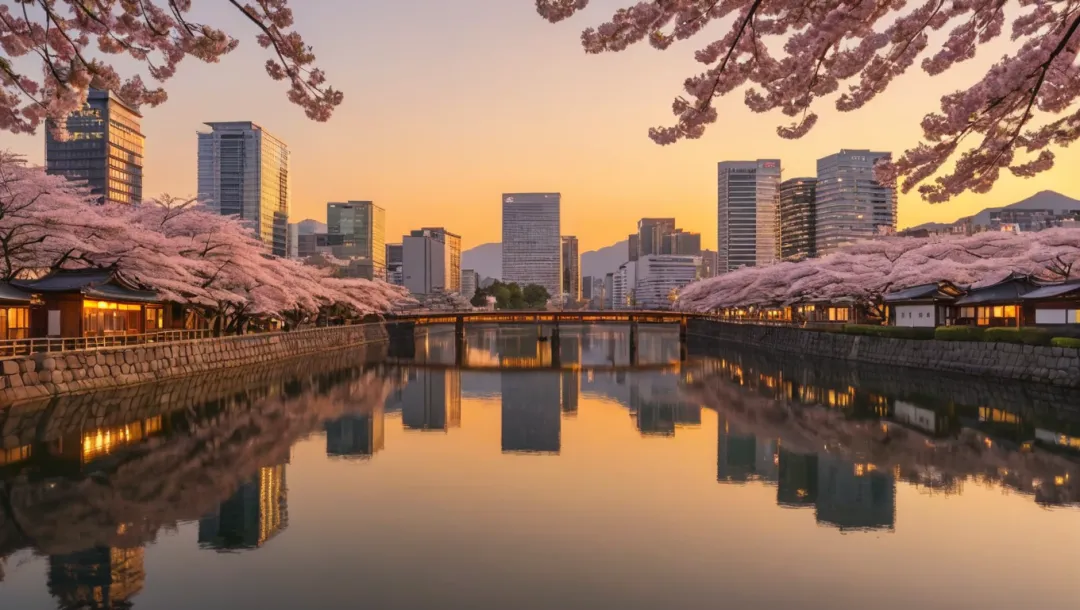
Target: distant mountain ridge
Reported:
point(486, 259)
point(1043, 200)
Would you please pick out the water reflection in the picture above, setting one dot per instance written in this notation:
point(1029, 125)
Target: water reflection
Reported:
point(125, 499)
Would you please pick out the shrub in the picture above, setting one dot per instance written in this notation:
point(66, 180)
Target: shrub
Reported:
point(1002, 335)
point(958, 333)
point(896, 332)
point(1065, 342)
point(1026, 336)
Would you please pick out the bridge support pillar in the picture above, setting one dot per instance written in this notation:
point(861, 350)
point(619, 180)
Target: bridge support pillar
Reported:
point(402, 339)
point(460, 345)
point(682, 340)
point(633, 343)
point(556, 347)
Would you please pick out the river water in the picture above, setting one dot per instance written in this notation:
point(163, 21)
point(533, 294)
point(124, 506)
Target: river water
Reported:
point(515, 479)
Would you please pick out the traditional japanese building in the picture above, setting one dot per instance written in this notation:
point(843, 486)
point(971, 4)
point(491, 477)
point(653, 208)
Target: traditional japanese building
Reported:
point(94, 303)
point(926, 305)
point(1054, 305)
point(1000, 304)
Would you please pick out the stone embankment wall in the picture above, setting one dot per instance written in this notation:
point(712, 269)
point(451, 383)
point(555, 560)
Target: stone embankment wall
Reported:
point(1052, 365)
point(48, 374)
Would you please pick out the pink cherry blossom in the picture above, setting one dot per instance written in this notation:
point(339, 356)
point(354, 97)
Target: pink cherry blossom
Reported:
point(868, 270)
point(69, 40)
point(184, 251)
point(787, 55)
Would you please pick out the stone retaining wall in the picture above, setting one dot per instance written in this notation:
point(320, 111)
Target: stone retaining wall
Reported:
point(1059, 366)
point(48, 374)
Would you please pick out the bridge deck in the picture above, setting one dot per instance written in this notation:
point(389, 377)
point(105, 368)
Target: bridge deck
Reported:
point(549, 317)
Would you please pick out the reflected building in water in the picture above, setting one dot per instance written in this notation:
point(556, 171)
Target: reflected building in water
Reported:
point(257, 512)
point(570, 384)
point(531, 412)
point(431, 400)
point(356, 436)
point(658, 405)
point(843, 494)
point(96, 578)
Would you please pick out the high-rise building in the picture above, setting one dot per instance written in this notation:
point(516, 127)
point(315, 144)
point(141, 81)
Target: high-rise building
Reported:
point(395, 261)
point(303, 237)
point(361, 226)
point(586, 288)
point(660, 277)
point(851, 204)
point(431, 261)
point(609, 291)
point(623, 282)
point(652, 233)
point(531, 240)
point(708, 263)
point(470, 282)
point(798, 217)
point(104, 148)
point(748, 193)
point(682, 243)
point(571, 263)
point(633, 247)
point(244, 171)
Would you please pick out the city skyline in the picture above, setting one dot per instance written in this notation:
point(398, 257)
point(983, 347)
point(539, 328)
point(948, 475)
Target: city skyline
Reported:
point(411, 158)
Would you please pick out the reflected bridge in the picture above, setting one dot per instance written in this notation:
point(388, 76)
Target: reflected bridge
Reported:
point(402, 329)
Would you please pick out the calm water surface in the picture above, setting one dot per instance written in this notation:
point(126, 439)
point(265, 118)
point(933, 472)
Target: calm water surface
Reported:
point(735, 479)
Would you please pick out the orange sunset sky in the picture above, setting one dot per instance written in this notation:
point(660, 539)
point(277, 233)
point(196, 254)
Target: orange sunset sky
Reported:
point(449, 104)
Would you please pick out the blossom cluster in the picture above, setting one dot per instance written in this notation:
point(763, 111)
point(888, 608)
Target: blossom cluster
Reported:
point(786, 55)
point(186, 252)
point(868, 270)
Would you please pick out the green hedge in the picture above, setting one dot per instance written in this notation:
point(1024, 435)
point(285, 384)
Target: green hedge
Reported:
point(1065, 342)
point(958, 333)
point(1025, 336)
point(896, 332)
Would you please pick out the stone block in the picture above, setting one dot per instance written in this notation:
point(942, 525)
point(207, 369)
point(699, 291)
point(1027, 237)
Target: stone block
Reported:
point(11, 367)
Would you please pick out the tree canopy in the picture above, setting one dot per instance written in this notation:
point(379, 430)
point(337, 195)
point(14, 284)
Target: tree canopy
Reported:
point(788, 55)
point(186, 252)
point(68, 40)
point(512, 296)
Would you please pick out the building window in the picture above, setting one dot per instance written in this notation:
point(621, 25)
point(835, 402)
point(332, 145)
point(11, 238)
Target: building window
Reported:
point(155, 319)
point(838, 314)
point(105, 318)
point(14, 323)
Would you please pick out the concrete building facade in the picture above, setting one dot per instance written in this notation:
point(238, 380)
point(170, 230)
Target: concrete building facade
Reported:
point(748, 194)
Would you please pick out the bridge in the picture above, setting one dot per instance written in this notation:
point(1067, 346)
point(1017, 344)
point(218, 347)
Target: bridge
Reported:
point(403, 327)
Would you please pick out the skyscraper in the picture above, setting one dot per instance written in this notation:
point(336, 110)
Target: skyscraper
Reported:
point(748, 194)
point(395, 261)
point(683, 243)
point(105, 148)
point(651, 234)
point(571, 263)
point(658, 277)
point(244, 171)
point(303, 238)
point(708, 263)
point(431, 261)
point(851, 204)
point(798, 216)
point(470, 281)
point(361, 226)
point(531, 240)
point(633, 247)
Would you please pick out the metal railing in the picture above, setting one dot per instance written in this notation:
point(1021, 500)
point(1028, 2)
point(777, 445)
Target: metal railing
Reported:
point(13, 348)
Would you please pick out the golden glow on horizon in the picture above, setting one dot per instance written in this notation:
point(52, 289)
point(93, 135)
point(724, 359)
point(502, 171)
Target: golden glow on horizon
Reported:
point(577, 125)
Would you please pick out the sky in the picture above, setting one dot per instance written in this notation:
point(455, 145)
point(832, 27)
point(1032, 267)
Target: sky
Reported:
point(450, 104)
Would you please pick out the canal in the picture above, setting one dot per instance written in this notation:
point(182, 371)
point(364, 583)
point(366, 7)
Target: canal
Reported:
point(515, 479)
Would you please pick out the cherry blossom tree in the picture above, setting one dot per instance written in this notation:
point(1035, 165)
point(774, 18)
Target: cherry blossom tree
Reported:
point(43, 222)
point(184, 251)
point(68, 41)
point(787, 55)
point(868, 270)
